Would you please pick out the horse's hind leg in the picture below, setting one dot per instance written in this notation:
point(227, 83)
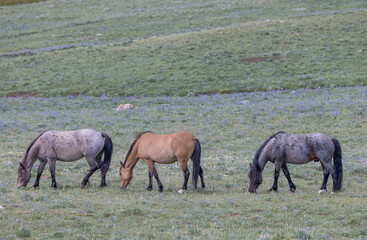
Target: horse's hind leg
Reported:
point(292, 187)
point(183, 165)
point(329, 169)
point(93, 168)
point(326, 177)
point(201, 174)
point(86, 178)
point(41, 167)
point(52, 164)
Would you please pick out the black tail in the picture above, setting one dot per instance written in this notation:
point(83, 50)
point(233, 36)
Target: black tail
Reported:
point(196, 155)
point(338, 166)
point(107, 149)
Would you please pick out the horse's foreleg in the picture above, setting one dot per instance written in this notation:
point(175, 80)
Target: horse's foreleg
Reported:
point(278, 165)
point(41, 167)
point(52, 164)
point(326, 177)
point(292, 187)
point(153, 172)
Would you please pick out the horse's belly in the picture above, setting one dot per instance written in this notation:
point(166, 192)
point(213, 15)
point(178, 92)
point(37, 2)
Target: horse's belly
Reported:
point(69, 156)
point(166, 158)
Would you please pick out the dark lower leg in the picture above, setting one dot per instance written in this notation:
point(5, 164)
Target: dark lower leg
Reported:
point(160, 185)
point(275, 184)
point(186, 176)
point(150, 185)
point(292, 187)
point(39, 173)
point(52, 170)
point(201, 174)
point(326, 177)
point(86, 178)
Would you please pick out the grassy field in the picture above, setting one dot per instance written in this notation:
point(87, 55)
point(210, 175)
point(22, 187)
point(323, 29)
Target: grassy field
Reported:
point(230, 128)
point(230, 72)
point(151, 48)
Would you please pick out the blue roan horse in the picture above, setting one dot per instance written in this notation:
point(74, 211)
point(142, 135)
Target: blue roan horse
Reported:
point(66, 146)
point(283, 148)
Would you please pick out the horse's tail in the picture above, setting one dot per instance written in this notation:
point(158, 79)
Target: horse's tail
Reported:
point(196, 155)
point(338, 165)
point(107, 149)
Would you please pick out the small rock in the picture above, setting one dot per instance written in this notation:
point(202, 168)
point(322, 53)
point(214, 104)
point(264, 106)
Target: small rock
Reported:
point(124, 107)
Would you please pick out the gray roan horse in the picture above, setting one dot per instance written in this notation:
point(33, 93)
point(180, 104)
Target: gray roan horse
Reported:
point(283, 148)
point(66, 146)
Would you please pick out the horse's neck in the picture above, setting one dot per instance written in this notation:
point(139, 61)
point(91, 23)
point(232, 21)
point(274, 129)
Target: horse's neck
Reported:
point(29, 159)
point(263, 158)
point(132, 159)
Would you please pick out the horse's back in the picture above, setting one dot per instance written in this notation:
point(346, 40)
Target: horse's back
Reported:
point(70, 145)
point(303, 148)
point(166, 148)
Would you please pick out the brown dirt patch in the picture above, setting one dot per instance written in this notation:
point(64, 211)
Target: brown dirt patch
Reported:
point(22, 94)
point(259, 59)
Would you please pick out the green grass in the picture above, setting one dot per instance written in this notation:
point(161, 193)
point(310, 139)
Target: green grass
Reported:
point(230, 127)
point(81, 59)
point(192, 47)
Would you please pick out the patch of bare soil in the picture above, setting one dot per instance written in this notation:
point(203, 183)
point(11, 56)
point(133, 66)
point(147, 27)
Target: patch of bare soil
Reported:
point(259, 59)
point(22, 94)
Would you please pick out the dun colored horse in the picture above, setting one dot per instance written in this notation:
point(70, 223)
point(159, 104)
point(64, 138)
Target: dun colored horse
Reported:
point(283, 148)
point(154, 148)
point(66, 146)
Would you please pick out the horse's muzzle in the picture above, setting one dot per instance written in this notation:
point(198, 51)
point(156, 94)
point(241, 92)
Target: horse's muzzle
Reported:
point(122, 187)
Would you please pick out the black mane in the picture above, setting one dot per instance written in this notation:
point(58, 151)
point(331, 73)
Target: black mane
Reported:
point(255, 162)
point(133, 144)
point(30, 145)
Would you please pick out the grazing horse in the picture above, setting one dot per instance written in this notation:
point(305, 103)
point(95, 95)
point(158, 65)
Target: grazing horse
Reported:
point(66, 146)
point(154, 148)
point(283, 148)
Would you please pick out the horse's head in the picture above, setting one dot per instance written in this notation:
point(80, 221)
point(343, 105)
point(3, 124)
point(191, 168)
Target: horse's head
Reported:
point(23, 176)
point(255, 177)
point(125, 176)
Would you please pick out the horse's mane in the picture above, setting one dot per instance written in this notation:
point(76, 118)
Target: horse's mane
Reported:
point(31, 144)
point(255, 162)
point(133, 144)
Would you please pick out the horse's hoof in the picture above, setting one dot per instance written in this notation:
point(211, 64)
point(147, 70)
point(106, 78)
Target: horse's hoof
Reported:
point(160, 190)
point(272, 189)
point(322, 191)
point(149, 188)
point(181, 191)
point(102, 185)
point(292, 190)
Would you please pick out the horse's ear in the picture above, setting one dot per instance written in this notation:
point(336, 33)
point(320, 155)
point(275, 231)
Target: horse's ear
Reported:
point(122, 164)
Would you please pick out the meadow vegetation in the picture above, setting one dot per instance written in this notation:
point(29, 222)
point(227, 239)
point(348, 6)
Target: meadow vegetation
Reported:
point(230, 72)
point(230, 127)
point(58, 48)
